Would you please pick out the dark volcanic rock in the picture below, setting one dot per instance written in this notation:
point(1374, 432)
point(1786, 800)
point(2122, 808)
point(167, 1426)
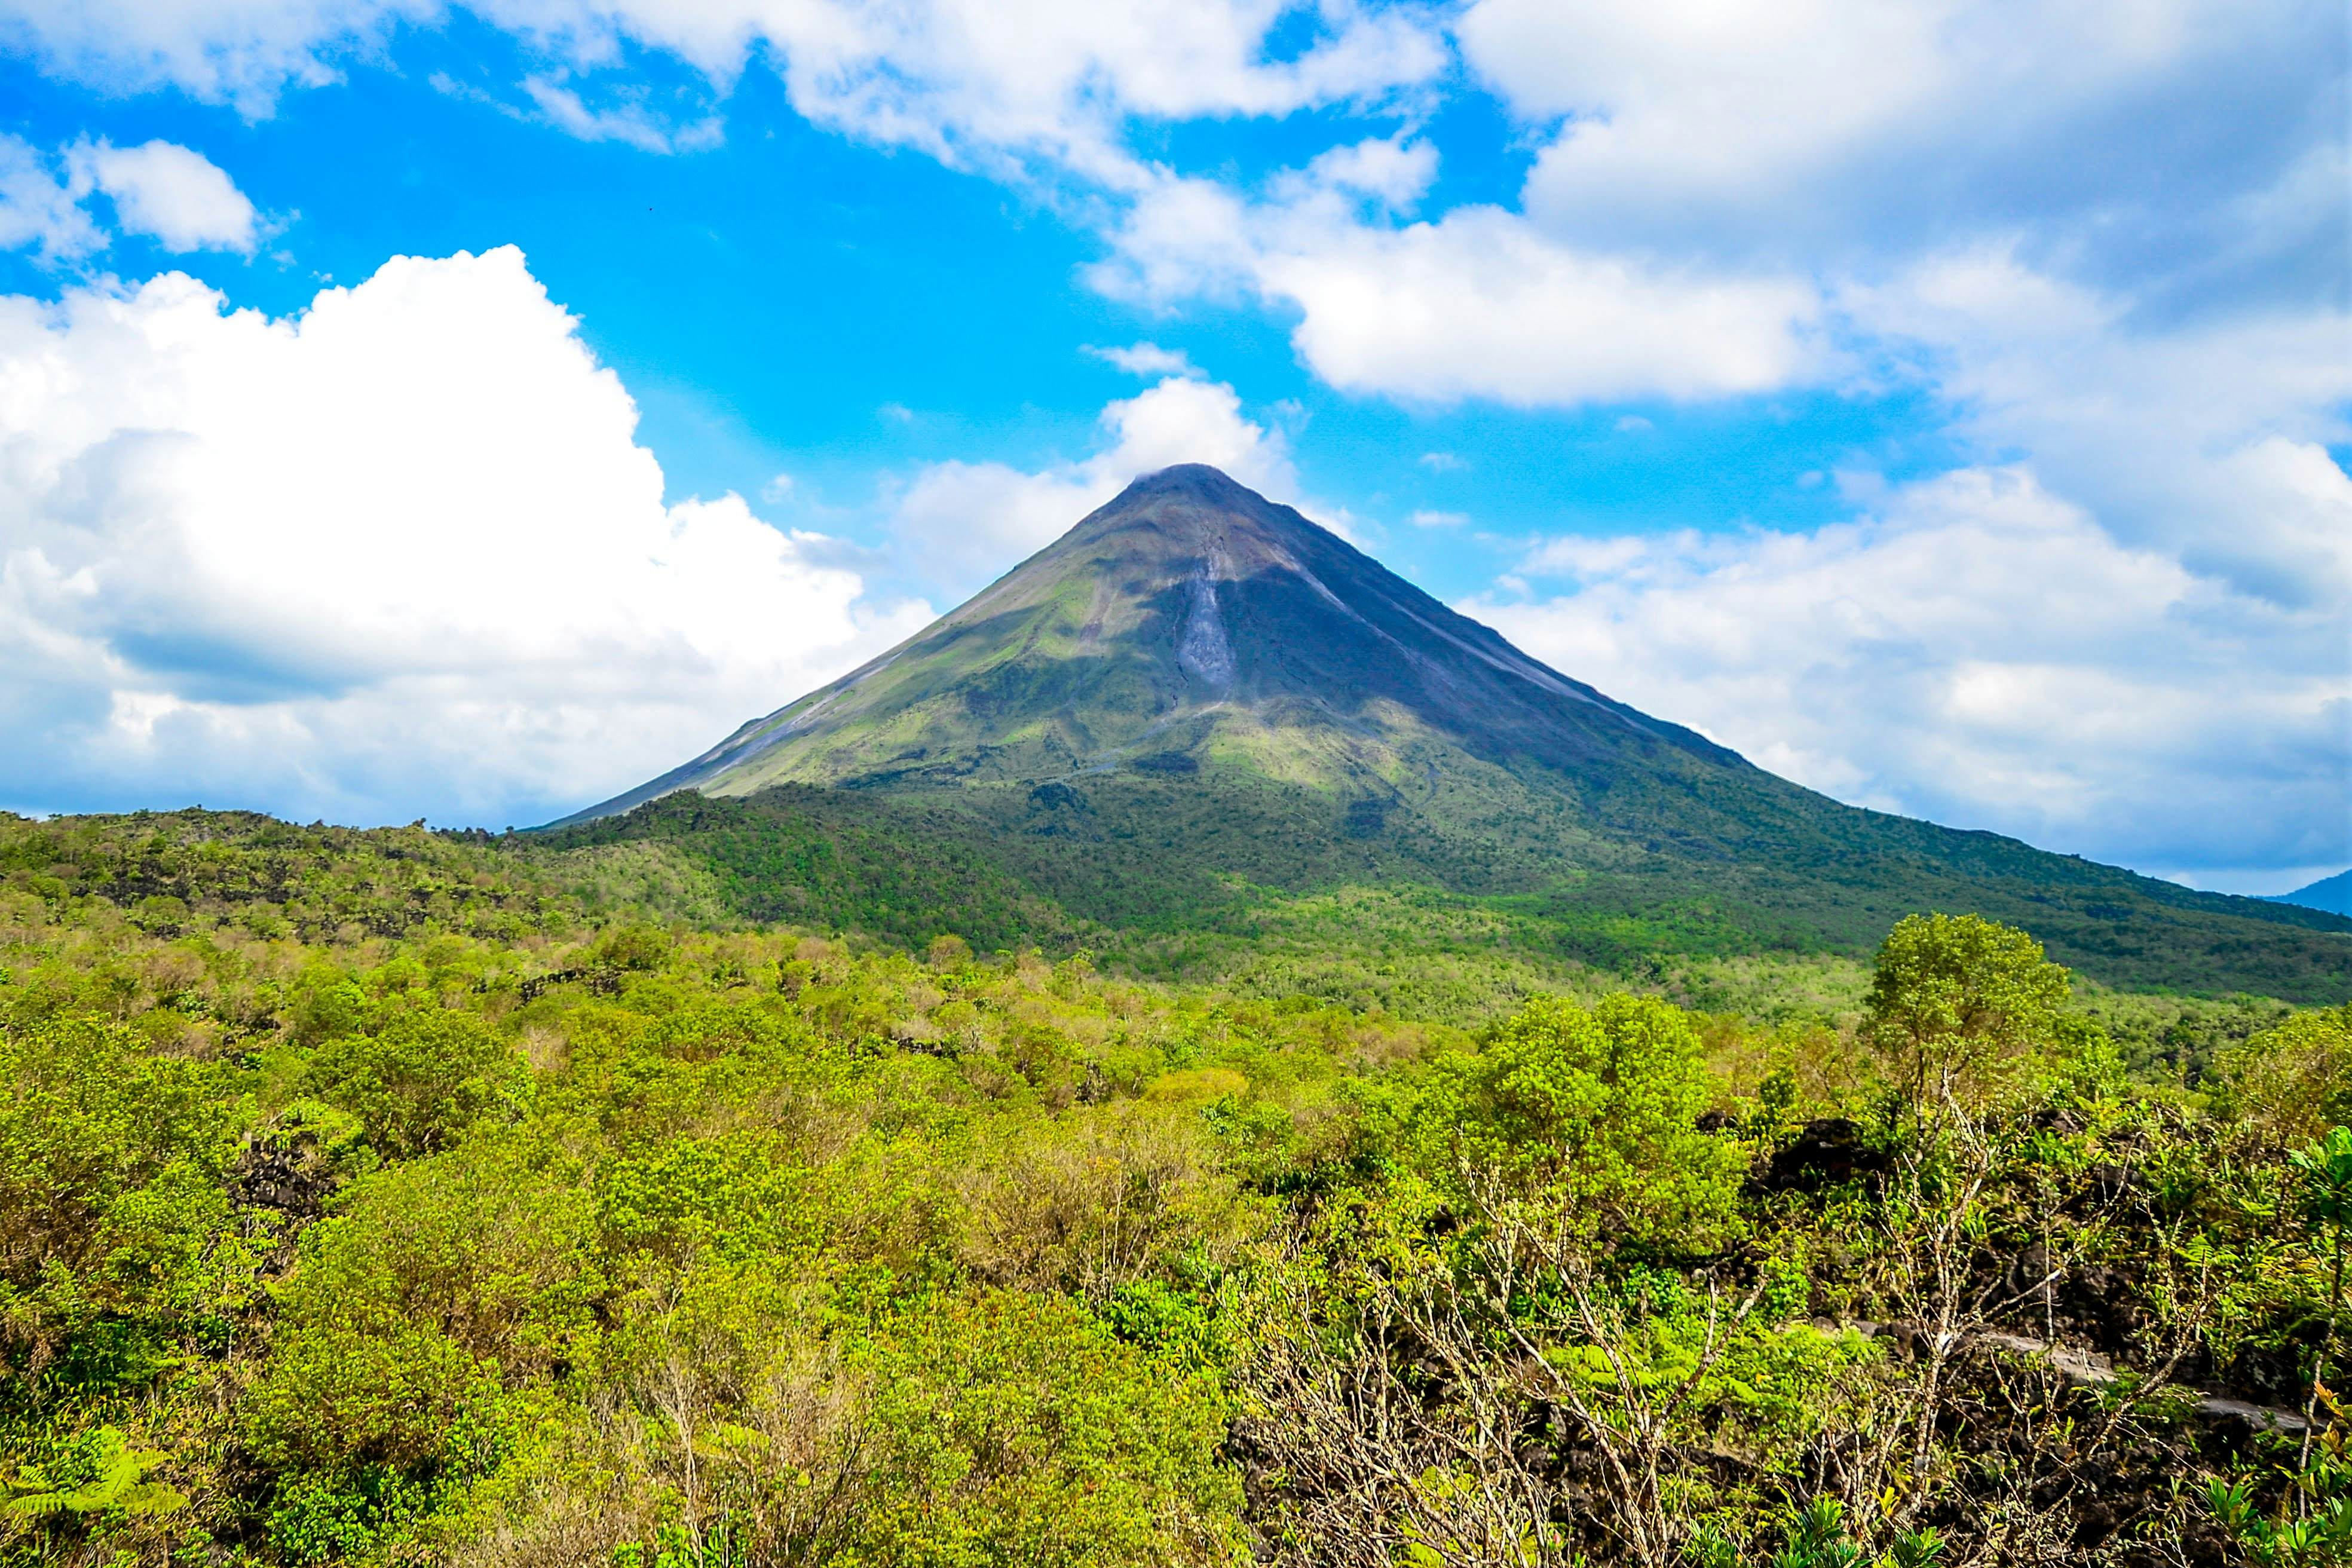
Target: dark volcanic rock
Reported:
point(283, 1171)
point(1826, 1152)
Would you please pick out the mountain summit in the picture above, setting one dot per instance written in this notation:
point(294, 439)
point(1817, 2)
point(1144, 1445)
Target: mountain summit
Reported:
point(1196, 692)
point(1192, 622)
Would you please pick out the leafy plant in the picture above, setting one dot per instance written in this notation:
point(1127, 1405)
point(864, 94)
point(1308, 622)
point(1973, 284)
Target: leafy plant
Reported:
point(1816, 1536)
point(98, 1473)
point(2311, 1529)
point(2325, 1168)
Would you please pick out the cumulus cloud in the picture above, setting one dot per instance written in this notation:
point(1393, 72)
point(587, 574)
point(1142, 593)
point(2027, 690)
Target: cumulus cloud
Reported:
point(39, 207)
point(963, 80)
point(1479, 303)
point(1711, 187)
point(1699, 171)
point(951, 77)
point(176, 196)
point(1977, 650)
point(965, 524)
point(1707, 170)
point(400, 551)
point(181, 198)
point(1705, 99)
point(2206, 439)
point(1394, 172)
point(1828, 127)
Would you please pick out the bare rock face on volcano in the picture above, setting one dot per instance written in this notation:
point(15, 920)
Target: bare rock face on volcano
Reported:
point(1189, 624)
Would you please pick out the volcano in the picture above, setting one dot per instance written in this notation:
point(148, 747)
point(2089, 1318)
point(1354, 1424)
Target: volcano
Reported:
point(1192, 622)
point(1196, 682)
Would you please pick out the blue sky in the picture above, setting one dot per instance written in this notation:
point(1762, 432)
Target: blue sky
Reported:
point(1943, 404)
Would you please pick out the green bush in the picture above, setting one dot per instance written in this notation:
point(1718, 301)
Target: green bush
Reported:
point(442, 1282)
point(1592, 1111)
point(420, 1080)
point(2294, 1081)
point(115, 1233)
point(1017, 1429)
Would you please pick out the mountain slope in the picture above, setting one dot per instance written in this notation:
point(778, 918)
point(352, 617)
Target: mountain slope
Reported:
point(2333, 894)
point(1195, 689)
point(1188, 614)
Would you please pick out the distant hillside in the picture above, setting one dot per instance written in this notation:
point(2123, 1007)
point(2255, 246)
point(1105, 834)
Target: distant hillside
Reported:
point(1196, 693)
point(2333, 894)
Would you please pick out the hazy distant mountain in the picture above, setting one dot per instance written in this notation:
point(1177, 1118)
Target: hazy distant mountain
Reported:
point(1195, 683)
point(2333, 894)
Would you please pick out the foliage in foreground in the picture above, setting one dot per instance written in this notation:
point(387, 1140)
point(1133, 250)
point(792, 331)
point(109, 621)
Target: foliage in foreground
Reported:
point(371, 1199)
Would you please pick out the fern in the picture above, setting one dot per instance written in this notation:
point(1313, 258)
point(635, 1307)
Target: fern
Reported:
point(119, 1485)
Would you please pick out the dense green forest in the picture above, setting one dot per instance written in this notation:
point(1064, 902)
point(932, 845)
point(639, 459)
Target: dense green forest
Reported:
point(604, 1198)
point(1196, 877)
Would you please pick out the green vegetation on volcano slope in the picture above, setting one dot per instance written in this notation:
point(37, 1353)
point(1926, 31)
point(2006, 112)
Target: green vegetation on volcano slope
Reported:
point(1194, 877)
point(1196, 705)
point(399, 1198)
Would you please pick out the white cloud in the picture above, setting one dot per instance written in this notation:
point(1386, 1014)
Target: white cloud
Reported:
point(1714, 167)
point(1822, 126)
point(235, 51)
point(1720, 178)
point(1797, 76)
point(1393, 172)
point(955, 78)
point(1048, 85)
point(400, 553)
point(1146, 359)
point(2206, 440)
point(965, 524)
point(39, 208)
point(1477, 304)
point(1426, 518)
point(179, 196)
point(1978, 651)
point(632, 124)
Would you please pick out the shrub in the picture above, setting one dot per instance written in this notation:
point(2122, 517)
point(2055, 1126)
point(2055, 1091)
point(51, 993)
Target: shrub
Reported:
point(1594, 1111)
point(420, 1080)
point(2292, 1082)
point(111, 1207)
point(1015, 1428)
